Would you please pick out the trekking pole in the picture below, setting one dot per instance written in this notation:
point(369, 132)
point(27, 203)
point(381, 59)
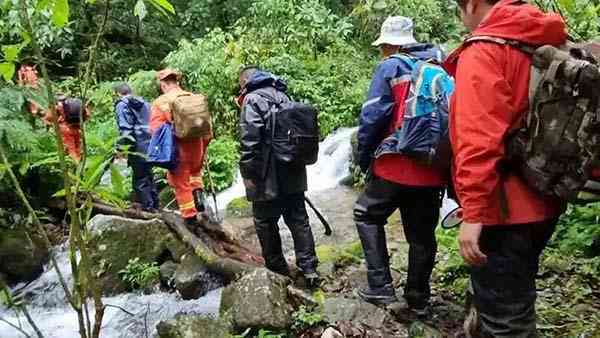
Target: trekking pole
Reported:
point(212, 184)
point(328, 230)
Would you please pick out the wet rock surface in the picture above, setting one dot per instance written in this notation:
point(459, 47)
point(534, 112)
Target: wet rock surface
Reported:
point(189, 326)
point(22, 256)
point(258, 300)
point(341, 309)
point(192, 280)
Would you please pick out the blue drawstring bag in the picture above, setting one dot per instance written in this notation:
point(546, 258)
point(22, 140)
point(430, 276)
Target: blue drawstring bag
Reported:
point(162, 151)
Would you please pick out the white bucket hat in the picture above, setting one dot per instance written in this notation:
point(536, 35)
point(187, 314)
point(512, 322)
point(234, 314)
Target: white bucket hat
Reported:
point(396, 31)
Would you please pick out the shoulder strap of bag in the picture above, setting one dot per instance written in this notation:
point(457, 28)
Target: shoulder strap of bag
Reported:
point(525, 48)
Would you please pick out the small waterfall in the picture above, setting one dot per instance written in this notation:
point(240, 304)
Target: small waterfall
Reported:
point(332, 167)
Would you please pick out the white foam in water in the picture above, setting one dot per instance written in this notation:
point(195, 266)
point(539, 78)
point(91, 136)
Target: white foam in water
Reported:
point(332, 167)
point(48, 307)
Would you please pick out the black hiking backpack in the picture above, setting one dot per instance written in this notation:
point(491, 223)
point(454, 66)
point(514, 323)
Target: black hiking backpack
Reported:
point(72, 110)
point(557, 148)
point(295, 133)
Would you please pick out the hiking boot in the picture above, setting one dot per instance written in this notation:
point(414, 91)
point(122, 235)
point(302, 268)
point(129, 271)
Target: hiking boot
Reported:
point(420, 312)
point(312, 280)
point(379, 296)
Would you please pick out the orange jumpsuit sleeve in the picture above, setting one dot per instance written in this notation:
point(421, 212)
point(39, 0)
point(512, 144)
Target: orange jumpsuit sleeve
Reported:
point(483, 108)
point(158, 118)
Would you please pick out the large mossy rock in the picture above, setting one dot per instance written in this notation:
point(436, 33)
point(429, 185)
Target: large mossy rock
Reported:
point(22, 257)
point(193, 327)
point(258, 300)
point(239, 207)
point(116, 240)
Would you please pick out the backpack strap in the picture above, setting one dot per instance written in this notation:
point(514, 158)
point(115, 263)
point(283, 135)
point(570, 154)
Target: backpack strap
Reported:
point(525, 48)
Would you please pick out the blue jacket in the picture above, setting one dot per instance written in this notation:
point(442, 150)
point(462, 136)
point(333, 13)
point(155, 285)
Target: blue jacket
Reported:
point(133, 115)
point(376, 113)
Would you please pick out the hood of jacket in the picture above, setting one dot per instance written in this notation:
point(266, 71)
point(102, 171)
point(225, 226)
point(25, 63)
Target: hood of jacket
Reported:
point(134, 102)
point(516, 20)
point(262, 79)
point(424, 51)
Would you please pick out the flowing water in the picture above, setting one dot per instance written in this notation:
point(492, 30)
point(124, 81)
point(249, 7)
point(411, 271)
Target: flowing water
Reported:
point(136, 315)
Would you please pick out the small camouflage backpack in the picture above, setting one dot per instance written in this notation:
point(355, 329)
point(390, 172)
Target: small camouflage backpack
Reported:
point(557, 148)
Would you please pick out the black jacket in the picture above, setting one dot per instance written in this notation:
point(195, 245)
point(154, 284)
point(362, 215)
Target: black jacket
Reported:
point(273, 179)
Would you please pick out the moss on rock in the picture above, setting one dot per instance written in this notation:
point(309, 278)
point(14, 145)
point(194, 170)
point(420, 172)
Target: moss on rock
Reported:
point(116, 240)
point(239, 207)
point(343, 255)
point(22, 257)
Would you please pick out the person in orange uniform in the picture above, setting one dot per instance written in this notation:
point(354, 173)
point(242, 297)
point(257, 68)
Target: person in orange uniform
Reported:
point(70, 133)
point(187, 178)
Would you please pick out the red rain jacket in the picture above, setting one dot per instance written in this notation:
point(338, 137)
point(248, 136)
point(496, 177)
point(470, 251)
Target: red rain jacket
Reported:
point(491, 99)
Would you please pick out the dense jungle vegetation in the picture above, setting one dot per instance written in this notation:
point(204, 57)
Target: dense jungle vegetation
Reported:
point(321, 47)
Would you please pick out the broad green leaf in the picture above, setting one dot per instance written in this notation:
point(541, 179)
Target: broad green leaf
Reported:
point(569, 5)
point(117, 181)
point(60, 13)
point(7, 70)
point(163, 5)
point(140, 10)
point(24, 168)
point(11, 52)
point(380, 5)
point(42, 4)
point(60, 193)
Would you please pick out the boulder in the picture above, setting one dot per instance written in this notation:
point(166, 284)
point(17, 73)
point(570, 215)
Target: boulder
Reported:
point(167, 271)
point(115, 240)
point(192, 279)
point(22, 257)
point(239, 207)
point(189, 326)
point(258, 300)
point(340, 309)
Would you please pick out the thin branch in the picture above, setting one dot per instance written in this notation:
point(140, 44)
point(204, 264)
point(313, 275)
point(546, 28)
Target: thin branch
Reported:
point(21, 331)
point(120, 308)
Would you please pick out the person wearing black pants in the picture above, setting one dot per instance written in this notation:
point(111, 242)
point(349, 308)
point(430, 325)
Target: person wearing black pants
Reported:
point(398, 181)
point(275, 188)
point(133, 115)
point(419, 208)
point(293, 210)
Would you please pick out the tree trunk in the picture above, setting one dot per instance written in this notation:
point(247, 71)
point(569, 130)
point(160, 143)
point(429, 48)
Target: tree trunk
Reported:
point(221, 253)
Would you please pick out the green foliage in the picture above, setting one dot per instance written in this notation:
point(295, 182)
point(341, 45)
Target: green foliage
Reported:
point(144, 84)
point(434, 19)
point(582, 16)
point(350, 253)
point(578, 231)
point(451, 270)
point(305, 318)
point(140, 275)
point(303, 42)
point(223, 156)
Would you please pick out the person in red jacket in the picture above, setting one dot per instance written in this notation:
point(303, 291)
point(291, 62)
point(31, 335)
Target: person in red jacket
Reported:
point(506, 224)
point(397, 181)
point(186, 179)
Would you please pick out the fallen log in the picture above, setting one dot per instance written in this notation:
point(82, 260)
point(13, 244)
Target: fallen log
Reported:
point(221, 253)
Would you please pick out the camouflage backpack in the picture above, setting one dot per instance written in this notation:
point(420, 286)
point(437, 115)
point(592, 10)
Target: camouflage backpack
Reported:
point(557, 148)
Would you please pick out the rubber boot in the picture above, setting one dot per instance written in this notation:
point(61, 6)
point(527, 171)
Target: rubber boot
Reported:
point(199, 200)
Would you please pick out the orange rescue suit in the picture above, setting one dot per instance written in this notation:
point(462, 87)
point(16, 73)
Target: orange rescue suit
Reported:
point(70, 133)
point(188, 175)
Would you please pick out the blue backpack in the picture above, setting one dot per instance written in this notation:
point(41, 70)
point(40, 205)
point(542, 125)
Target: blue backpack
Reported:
point(424, 131)
point(162, 151)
